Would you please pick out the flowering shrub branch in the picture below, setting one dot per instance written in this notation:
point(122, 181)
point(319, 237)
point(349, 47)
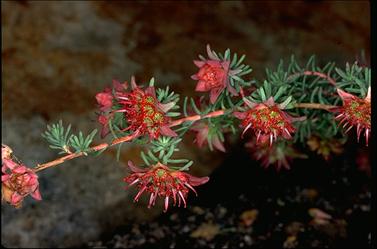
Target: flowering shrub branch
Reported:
point(293, 105)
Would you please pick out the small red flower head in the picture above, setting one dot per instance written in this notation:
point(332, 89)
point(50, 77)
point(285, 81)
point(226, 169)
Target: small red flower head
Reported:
point(18, 181)
point(144, 113)
point(278, 155)
point(267, 119)
point(105, 99)
point(203, 135)
point(105, 102)
point(159, 180)
point(355, 112)
point(213, 76)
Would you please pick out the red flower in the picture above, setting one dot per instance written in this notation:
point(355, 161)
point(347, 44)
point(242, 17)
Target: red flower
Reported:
point(159, 180)
point(213, 76)
point(105, 99)
point(144, 113)
point(104, 121)
point(18, 181)
point(267, 120)
point(278, 155)
point(204, 135)
point(355, 112)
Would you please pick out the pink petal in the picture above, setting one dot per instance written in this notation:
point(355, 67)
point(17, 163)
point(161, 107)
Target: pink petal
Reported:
point(218, 144)
point(36, 195)
point(344, 95)
point(165, 130)
point(231, 89)
point(214, 94)
point(199, 63)
point(249, 103)
point(9, 164)
point(270, 101)
point(240, 115)
point(196, 181)
point(166, 107)
point(136, 169)
point(151, 91)
point(194, 77)
point(201, 86)
point(19, 170)
point(16, 198)
point(201, 136)
point(4, 178)
point(225, 65)
point(215, 63)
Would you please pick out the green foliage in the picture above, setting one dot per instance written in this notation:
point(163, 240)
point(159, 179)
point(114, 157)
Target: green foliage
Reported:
point(161, 150)
point(354, 79)
point(81, 144)
point(167, 96)
point(60, 139)
point(290, 83)
point(57, 137)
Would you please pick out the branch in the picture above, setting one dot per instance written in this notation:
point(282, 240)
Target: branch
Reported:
point(102, 146)
point(321, 75)
point(314, 106)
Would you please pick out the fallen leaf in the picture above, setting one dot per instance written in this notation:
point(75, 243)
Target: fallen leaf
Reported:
point(207, 231)
point(248, 217)
point(319, 217)
point(290, 242)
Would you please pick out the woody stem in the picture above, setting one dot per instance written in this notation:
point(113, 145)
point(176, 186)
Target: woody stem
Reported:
point(102, 146)
point(128, 138)
point(314, 106)
point(321, 75)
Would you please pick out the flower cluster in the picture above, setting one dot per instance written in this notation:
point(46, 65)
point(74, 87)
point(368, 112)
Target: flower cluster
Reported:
point(213, 76)
point(355, 112)
point(159, 180)
point(17, 180)
point(143, 112)
point(267, 120)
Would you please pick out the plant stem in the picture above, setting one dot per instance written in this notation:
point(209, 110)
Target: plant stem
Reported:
point(314, 106)
point(321, 75)
point(102, 146)
point(194, 118)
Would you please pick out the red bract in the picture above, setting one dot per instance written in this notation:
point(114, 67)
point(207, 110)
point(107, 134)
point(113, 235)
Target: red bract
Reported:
point(105, 99)
point(144, 113)
point(277, 155)
point(355, 112)
point(204, 135)
point(267, 119)
point(213, 76)
point(159, 180)
point(18, 181)
point(105, 102)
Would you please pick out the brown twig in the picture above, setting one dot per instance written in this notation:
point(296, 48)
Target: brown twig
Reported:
point(321, 75)
point(314, 106)
point(102, 146)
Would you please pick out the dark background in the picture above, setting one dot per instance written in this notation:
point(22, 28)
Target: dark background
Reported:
point(57, 55)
